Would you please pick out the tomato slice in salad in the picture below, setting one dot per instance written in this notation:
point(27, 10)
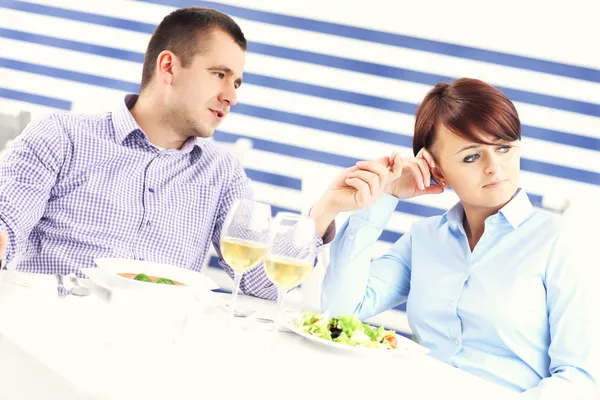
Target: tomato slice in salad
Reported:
point(391, 340)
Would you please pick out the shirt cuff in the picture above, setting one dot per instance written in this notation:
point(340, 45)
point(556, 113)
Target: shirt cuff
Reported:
point(329, 234)
point(379, 213)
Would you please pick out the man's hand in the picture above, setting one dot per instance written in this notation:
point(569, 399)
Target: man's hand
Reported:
point(3, 243)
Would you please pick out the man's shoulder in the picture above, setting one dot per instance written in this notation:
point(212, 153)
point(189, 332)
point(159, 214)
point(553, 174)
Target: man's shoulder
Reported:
point(69, 123)
point(74, 122)
point(222, 156)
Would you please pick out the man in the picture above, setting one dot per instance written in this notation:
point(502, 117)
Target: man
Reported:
point(143, 181)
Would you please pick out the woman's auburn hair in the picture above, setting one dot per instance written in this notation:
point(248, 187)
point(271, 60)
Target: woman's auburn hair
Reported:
point(468, 107)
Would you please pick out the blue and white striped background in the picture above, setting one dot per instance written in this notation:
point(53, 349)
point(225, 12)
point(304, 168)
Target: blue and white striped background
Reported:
point(316, 97)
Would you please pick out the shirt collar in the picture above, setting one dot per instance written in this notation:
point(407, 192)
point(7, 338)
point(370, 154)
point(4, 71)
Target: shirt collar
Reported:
point(125, 125)
point(454, 216)
point(518, 209)
point(515, 211)
point(122, 119)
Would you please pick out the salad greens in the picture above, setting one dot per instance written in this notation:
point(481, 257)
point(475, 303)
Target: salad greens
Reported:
point(146, 278)
point(346, 329)
point(164, 281)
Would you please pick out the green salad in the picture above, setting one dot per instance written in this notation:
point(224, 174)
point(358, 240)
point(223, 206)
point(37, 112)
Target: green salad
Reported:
point(146, 278)
point(346, 329)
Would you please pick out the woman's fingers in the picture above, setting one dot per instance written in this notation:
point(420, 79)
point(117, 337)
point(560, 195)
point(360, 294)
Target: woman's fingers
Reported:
point(370, 178)
point(424, 167)
point(362, 188)
point(419, 167)
point(375, 168)
point(433, 189)
point(396, 164)
point(415, 170)
point(426, 155)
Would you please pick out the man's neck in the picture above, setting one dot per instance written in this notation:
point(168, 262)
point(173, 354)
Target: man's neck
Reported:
point(150, 116)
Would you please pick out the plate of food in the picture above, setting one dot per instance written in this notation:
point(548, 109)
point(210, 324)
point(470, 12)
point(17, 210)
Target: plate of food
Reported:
point(348, 333)
point(150, 278)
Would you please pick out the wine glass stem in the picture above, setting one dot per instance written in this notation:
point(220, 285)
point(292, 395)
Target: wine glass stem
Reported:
point(279, 319)
point(236, 288)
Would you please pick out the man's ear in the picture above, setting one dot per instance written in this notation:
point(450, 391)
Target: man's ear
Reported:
point(166, 61)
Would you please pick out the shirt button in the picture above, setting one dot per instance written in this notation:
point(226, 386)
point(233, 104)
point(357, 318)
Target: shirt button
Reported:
point(149, 223)
point(350, 236)
point(456, 342)
point(151, 190)
point(452, 304)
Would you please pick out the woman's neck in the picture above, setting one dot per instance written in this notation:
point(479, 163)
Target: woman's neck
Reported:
point(474, 221)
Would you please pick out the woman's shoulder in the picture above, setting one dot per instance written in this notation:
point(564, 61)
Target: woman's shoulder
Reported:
point(539, 220)
point(428, 224)
point(549, 223)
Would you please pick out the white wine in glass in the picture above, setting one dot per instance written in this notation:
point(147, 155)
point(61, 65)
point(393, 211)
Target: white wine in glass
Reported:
point(291, 255)
point(287, 273)
point(244, 239)
point(242, 255)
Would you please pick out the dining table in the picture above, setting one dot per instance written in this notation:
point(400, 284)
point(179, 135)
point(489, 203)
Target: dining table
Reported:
point(86, 347)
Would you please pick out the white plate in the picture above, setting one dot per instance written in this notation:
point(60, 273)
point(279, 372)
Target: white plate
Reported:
point(185, 276)
point(198, 285)
point(405, 347)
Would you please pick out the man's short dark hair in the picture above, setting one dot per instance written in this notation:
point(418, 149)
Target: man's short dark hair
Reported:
point(186, 32)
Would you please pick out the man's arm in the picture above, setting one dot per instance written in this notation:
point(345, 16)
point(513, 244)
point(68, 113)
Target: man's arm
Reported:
point(254, 282)
point(27, 175)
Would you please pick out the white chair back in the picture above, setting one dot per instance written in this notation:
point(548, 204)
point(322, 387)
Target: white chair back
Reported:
point(11, 126)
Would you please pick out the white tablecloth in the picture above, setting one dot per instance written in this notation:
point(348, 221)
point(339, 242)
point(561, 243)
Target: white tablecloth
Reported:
point(64, 349)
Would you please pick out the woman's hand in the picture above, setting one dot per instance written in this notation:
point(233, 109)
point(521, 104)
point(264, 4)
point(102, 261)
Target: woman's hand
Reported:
point(413, 178)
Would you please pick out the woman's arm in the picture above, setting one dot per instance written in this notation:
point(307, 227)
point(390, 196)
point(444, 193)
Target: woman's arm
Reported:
point(353, 283)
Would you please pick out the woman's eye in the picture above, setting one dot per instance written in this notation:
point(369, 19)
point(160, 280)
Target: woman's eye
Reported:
point(471, 158)
point(504, 149)
point(220, 75)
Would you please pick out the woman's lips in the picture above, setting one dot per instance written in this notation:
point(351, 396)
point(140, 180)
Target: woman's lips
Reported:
point(496, 184)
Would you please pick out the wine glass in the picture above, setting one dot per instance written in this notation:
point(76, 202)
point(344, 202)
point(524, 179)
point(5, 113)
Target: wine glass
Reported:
point(244, 239)
point(290, 256)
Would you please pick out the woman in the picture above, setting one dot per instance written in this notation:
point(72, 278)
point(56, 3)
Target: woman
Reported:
point(490, 286)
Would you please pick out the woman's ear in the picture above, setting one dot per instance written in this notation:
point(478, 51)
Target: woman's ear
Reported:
point(438, 176)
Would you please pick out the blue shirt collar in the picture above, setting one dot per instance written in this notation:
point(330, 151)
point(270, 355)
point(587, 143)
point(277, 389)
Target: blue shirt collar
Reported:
point(518, 209)
point(515, 212)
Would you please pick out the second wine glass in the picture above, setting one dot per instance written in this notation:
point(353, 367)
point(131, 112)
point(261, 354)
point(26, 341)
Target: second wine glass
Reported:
point(291, 255)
